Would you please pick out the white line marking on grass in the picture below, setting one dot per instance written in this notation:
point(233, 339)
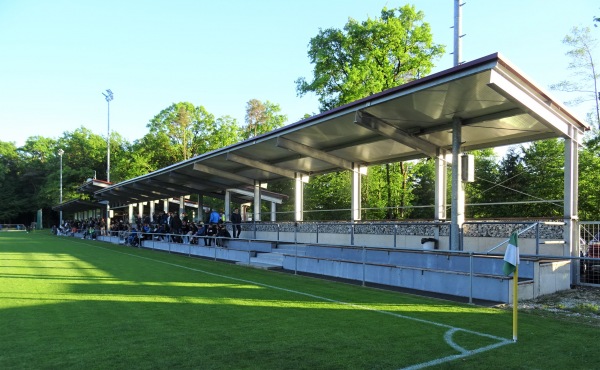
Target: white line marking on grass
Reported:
point(447, 336)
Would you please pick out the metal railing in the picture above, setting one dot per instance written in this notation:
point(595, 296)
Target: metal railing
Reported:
point(586, 267)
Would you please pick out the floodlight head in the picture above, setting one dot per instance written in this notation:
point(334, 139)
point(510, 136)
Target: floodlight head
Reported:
point(108, 95)
point(61, 152)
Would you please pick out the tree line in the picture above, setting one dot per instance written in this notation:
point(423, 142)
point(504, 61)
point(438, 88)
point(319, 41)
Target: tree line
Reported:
point(359, 60)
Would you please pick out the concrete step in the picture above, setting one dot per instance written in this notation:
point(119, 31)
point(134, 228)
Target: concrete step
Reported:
point(261, 265)
point(271, 258)
point(290, 249)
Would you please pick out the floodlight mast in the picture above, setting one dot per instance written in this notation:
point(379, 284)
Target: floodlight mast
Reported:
point(60, 154)
point(109, 97)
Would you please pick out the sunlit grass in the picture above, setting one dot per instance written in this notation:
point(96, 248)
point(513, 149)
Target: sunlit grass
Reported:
point(67, 303)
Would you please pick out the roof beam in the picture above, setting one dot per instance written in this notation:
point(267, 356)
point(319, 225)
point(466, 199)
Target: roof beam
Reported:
point(151, 190)
point(250, 194)
point(130, 192)
point(314, 153)
point(191, 181)
point(126, 197)
point(533, 105)
point(375, 124)
point(263, 166)
point(176, 188)
point(224, 174)
point(473, 121)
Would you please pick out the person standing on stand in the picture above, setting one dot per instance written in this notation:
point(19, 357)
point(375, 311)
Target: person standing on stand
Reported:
point(236, 220)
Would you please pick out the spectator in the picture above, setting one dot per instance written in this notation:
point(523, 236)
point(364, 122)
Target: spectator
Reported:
point(236, 220)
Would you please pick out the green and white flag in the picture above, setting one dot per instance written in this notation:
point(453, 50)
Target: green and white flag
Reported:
point(511, 256)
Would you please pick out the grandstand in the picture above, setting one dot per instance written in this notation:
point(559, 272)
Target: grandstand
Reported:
point(13, 227)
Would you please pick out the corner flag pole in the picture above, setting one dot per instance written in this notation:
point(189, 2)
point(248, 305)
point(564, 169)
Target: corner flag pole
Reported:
point(515, 302)
point(511, 266)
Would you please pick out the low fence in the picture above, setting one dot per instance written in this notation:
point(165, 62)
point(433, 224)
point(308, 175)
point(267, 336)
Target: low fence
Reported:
point(13, 227)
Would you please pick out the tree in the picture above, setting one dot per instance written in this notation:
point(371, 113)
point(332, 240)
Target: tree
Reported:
point(486, 176)
point(40, 166)
point(386, 191)
point(585, 75)
point(589, 179)
point(10, 197)
point(368, 57)
point(327, 197)
point(544, 178)
point(262, 117)
point(181, 127)
point(422, 180)
point(510, 186)
point(226, 132)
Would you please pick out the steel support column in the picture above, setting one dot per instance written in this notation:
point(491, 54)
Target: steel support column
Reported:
point(458, 188)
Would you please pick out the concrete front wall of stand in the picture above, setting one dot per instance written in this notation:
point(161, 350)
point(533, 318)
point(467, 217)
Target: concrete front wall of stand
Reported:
point(526, 246)
point(201, 251)
point(470, 244)
point(109, 239)
point(439, 260)
point(445, 282)
point(552, 276)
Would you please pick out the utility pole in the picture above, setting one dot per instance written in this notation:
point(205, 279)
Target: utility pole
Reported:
point(457, 32)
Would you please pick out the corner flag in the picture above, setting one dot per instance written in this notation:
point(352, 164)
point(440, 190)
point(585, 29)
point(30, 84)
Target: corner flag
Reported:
point(511, 264)
point(511, 257)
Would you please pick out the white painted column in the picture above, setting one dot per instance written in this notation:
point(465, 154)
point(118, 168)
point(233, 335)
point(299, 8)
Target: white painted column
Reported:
point(273, 211)
point(130, 214)
point(181, 205)
point(441, 186)
point(299, 199)
point(227, 205)
point(166, 205)
point(356, 200)
point(571, 206)
point(256, 203)
point(201, 215)
point(141, 210)
point(107, 219)
point(458, 189)
point(152, 205)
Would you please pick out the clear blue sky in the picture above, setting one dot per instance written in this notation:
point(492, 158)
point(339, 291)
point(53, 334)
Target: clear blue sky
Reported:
point(57, 57)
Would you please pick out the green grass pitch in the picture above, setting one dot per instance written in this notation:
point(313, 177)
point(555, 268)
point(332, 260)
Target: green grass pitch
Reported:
point(67, 303)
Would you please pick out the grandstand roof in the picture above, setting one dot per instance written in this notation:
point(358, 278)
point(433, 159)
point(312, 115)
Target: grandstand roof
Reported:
point(495, 103)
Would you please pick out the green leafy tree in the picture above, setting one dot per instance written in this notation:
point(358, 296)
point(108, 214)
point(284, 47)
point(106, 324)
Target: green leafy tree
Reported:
point(510, 186)
point(589, 179)
point(181, 127)
point(368, 57)
point(365, 58)
point(327, 197)
point(386, 191)
point(262, 117)
point(87, 154)
point(40, 167)
point(226, 132)
point(155, 150)
point(486, 176)
point(585, 75)
point(286, 187)
point(544, 177)
point(11, 198)
point(422, 180)
point(122, 167)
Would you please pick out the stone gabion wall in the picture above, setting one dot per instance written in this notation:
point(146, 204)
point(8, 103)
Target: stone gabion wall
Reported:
point(505, 229)
point(483, 229)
